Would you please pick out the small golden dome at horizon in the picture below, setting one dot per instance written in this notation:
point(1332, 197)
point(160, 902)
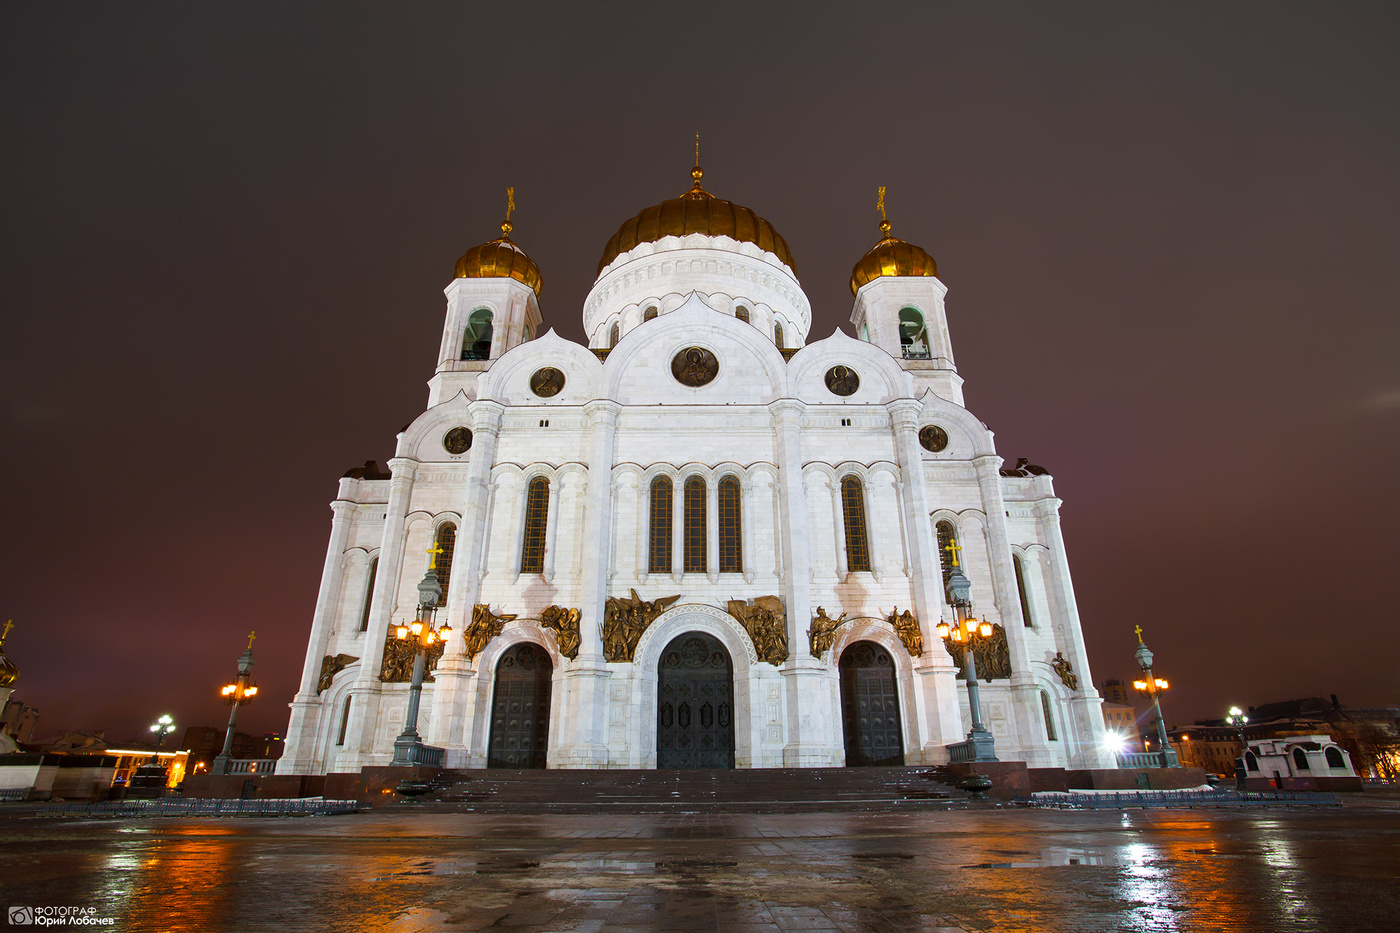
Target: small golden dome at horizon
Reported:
point(891, 256)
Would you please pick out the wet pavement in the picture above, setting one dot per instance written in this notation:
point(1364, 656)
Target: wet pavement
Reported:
point(395, 869)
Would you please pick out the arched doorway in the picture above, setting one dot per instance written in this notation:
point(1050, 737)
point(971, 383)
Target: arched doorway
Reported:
point(520, 709)
point(695, 704)
point(870, 706)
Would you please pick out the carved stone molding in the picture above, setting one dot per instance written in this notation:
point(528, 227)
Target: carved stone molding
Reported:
point(564, 623)
point(993, 655)
point(485, 625)
point(907, 628)
point(766, 622)
point(330, 666)
point(624, 621)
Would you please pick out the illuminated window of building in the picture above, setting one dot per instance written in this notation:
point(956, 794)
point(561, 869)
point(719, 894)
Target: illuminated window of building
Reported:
point(476, 342)
point(447, 541)
point(344, 721)
point(614, 334)
point(742, 313)
point(694, 544)
point(536, 515)
point(649, 313)
point(369, 595)
point(946, 535)
point(1049, 719)
point(659, 541)
point(1021, 588)
point(853, 511)
point(731, 553)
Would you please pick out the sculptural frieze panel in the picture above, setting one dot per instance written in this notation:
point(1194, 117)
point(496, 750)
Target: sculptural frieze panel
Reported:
point(564, 623)
point(822, 632)
point(907, 628)
point(624, 621)
point(485, 625)
point(330, 666)
point(993, 655)
point(766, 622)
point(1067, 675)
point(398, 660)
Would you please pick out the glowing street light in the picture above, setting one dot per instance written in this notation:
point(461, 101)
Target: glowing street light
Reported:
point(422, 634)
point(1239, 720)
point(979, 744)
point(236, 694)
point(1153, 687)
point(163, 727)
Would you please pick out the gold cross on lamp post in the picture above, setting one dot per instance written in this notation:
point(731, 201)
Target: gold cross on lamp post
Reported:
point(433, 553)
point(953, 548)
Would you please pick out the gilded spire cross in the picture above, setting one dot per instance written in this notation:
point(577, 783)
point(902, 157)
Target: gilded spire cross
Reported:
point(1138, 629)
point(251, 636)
point(507, 226)
point(9, 624)
point(953, 548)
point(884, 221)
point(433, 553)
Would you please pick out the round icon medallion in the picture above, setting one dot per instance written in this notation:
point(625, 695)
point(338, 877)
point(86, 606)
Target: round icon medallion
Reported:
point(547, 382)
point(694, 366)
point(933, 438)
point(457, 441)
point(842, 380)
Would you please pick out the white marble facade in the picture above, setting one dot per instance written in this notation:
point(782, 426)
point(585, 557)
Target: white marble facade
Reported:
point(768, 419)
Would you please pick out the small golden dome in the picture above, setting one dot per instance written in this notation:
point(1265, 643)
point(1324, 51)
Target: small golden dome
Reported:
point(697, 211)
point(891, 256)
point(500, 258)
point(8, 672)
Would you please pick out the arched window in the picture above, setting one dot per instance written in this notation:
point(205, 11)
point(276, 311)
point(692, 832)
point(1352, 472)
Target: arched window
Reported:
point(1334, 758)
point(536, 516)
point(853, 511)
point(1049, 718)
point(1021, 588)
point(865, 333)
point(528, 334)
point(447, 543)
point(1251, 762)
point(778, 333)
point(649, 313)
point(913, 337)
point(731, 549)
point(369, 595)
point(344, 721)
point(476, 342)
point(659, 541)
point(614, 334)
point(694, 545)
point(1300, 760)
point(742, 313)
point(947, 534)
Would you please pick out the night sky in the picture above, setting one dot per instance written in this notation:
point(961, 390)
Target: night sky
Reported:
point(1169, 234)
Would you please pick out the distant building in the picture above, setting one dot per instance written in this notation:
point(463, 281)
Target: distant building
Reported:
point(1303, 762)
point(18, 721)
point(1215, 748)
point(1115, 691)
point(1119, 718)
point(1369, 735)
point(206, 742)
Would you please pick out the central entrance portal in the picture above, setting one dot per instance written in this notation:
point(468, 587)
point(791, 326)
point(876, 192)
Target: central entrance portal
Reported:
point(695, 704)
point(870, 706)
point(520, 709)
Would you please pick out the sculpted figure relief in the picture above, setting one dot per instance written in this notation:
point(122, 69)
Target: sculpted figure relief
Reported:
point(624, 621)
point(330, 666)
point(766, 622)
point(398, 660)
point(485, 625)
point(993, 655)
point(564, 623)
point(1067, 675)
point(823, 632)
point(907, 628)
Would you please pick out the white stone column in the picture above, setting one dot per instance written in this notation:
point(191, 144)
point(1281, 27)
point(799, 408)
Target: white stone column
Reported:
point(585, 678)
point(804, 677)
point(454, 675)
point(748, 558)
point(678, 530)
point(838, 524)
point(360, 735)
point(298, 754)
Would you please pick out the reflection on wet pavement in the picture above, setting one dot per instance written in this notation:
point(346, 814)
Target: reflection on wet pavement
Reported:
point(400, 871)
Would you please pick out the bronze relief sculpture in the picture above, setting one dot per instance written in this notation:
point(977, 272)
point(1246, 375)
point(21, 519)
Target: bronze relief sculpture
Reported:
point(398, 660)
point(992, 653)
point(624, 621)
point(766, 622)
point(457, 441)
point(694, 367)
point(842, 380)
point(1067, 675)
point(330, 666)
point(564, 623)
point(933, 438)
point(822, 633)
point(485, 625)
point(547, 382)
point(907, 628)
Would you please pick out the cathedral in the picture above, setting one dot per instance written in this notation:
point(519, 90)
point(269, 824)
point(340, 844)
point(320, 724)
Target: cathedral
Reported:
point(703, 540)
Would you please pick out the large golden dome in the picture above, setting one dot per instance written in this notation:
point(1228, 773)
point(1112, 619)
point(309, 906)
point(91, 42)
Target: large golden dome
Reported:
point(697, 211)
point(891, 256)
point(500, 258)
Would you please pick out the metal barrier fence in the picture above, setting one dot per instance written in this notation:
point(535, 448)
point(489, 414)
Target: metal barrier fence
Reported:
point(306, 806)
point(1166, 799)
point(14, 793)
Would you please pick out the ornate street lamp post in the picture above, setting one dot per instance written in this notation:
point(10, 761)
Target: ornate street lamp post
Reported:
point(408, 747)
point(1239, 720)
point(163, 727)
point(236, 694)
point(979, 745)
point(1153, 687)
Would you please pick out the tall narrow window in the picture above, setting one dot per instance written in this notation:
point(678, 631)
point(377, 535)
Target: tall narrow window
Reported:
point(659, 541)
point(778, 334)
point(369, 595)
point(476, 342)
point(1021, 588)
point(446, 543)
point(742, 313)
point(947, 534)
point(853, 511)
point(614, 334)
point(1334, 758)
point(731, 549)
point(344, 721)
point(536, 515)
point(649, 313)
point(913, 337)
point(1049, 719)
point(1300, 760)
point(695, 525)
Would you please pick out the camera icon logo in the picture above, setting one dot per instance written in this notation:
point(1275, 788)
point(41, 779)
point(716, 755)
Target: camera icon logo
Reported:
point(22, 916)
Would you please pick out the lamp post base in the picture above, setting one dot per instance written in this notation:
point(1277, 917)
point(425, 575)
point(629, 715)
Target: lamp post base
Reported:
point(978, 746)
point(410, 751)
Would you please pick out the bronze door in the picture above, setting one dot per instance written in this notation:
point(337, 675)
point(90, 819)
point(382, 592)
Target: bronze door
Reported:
point(695, 704)
point(870, 706)
point(520, 711)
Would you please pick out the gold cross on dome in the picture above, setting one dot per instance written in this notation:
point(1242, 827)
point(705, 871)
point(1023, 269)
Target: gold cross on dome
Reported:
point(510, 201)
point(953, 548)
point(9, 624)
point(433, 553)
point(1138, 629)
point(697, 148)
point(251, 636)
point(881, 205)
